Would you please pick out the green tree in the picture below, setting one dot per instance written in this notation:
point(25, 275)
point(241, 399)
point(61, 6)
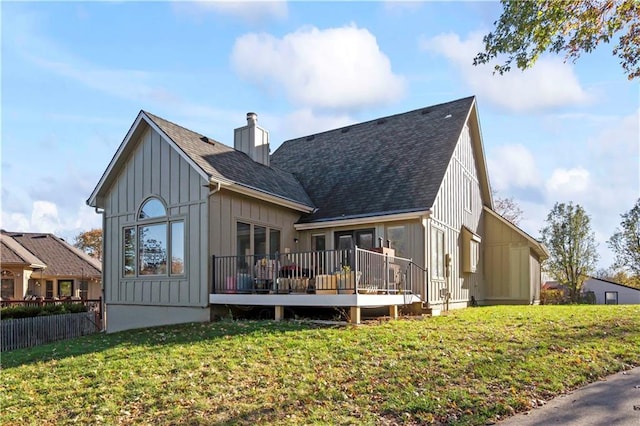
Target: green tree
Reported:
point(572, 246)
point(90, 242)
point(625, 242)
point(526, 29)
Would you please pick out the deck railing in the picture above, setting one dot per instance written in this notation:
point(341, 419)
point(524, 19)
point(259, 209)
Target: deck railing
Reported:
point(317, 272)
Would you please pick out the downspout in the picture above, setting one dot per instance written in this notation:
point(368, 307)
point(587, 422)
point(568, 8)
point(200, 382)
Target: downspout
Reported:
point(210, 268)
point(103, 313)
point(217, 188)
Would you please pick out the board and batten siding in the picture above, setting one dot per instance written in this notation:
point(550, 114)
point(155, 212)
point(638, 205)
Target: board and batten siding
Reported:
point(227, 208)
point(154, 168)
point(512, 270)
point(450, 214)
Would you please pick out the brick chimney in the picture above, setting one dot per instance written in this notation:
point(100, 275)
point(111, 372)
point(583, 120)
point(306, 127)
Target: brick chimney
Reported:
point(252, 140)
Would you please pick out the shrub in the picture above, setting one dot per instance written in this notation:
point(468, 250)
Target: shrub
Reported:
point(14, 312)
point(553, 297)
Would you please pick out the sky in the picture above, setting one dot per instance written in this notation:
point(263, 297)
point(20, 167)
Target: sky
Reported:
point(76, 74)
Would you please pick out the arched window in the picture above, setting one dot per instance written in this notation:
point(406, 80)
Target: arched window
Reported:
point(8, 284)
point(152, 208)
point(155, 245)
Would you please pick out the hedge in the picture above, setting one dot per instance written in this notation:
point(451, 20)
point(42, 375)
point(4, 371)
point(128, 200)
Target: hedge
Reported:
point(12, 312)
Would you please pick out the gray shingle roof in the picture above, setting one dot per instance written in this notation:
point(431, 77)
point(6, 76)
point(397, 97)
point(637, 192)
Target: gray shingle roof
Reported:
point(389, 165)
point(223, 162)
point(59, 257)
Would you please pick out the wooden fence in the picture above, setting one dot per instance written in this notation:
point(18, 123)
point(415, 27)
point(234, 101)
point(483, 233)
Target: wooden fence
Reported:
point(28, 332)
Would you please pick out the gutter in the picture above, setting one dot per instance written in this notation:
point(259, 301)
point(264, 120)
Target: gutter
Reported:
point(421, 214)
point(259, 194)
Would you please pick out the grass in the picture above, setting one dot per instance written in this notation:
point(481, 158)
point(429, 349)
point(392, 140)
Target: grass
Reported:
point(469, 367)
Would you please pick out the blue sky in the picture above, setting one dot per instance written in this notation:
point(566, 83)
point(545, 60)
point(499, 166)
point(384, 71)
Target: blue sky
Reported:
point(75, 75)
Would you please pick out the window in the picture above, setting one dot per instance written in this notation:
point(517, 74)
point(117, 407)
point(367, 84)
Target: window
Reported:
point(260, 240)
point(152, 249)
point(470, 250)
point(610, 297)
point(363, 238)
point(398, 237)
point(274, 241)
point(8, 283)
point(468, 193)
point(247, 233)
point(49, 290)
point(155, 246)
point(437, 253)
point(65, 288)
point(84, 289)
point(318, 242)
point(177, 248)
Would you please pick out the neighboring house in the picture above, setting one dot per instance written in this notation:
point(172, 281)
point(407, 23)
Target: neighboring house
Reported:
point(611, 293)
point(191, 224)
point(37, 265)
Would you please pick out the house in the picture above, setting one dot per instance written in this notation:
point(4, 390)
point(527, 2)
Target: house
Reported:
point(611, 293)
point(390, 212)
point(40, 265)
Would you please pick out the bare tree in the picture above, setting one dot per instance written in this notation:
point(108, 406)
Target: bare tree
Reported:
point(508, 208)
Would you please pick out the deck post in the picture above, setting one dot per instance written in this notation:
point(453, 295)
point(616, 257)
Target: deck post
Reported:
point(279, 314)
point(393, 311)
point(354, 315)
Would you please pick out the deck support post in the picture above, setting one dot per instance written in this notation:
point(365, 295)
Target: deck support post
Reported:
point(279, 314)
point(354, 315)
point(393, 311)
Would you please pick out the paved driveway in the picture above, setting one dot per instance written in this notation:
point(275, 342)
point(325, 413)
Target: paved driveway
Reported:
point(614, 401)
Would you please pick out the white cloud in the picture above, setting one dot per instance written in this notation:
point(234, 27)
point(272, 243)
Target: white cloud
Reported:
point(550, 83)
point(254, 11)
point(619, 140)
point(568, 184)
point(512, 166)
point(604, 179)
point(45, 216)
point(338, 68)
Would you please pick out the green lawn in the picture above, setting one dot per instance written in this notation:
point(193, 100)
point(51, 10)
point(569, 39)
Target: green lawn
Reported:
point(468, 367)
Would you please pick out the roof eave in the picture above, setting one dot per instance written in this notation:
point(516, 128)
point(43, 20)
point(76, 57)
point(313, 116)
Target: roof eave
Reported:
point(377, 218)
point(261, 195)
point(478, 146)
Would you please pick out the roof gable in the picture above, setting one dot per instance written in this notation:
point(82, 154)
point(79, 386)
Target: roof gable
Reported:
point(389, 165)
point(213, 160)
point(60, 257)
point(537, 246)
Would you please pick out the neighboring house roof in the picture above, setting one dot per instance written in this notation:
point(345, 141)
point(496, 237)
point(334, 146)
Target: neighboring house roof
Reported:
point(592, 279)
point(537, 246)
point(554, 285)
point(14, 254)
point(215, 162)
point(390, 165)
point(59, 257)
